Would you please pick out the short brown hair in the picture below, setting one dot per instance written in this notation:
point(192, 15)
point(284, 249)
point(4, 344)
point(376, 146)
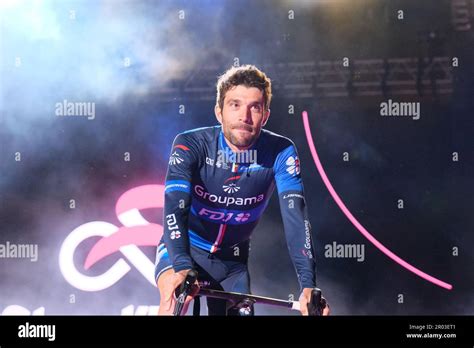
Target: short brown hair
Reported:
point(247, 75)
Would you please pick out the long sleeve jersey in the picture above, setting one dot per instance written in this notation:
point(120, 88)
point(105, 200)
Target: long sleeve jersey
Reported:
point(214, 197)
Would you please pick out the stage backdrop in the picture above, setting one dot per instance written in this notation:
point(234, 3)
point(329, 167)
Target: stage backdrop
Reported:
point(93, 93)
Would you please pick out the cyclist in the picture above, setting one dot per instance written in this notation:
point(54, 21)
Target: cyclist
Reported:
point(218, 184)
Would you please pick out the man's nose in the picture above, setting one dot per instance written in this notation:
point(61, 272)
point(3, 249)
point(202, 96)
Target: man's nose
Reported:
point(246, 116)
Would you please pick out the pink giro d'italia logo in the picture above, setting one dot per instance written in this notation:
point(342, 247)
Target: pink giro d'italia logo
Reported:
point(135, 232)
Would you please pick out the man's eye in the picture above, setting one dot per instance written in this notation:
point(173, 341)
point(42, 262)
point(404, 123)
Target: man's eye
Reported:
point(256, 107)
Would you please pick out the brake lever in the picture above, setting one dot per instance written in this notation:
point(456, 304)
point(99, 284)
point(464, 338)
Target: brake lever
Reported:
point(317, 303)
point(183, 291)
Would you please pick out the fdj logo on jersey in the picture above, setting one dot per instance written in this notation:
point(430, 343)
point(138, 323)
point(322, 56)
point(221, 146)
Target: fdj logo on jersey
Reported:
point(224, 217)
point(173, 226)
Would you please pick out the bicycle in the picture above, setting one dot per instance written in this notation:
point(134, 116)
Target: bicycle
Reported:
point(243, 302)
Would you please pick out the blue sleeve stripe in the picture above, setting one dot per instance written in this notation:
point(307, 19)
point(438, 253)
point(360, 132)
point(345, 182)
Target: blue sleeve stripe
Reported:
point(284, 186)
point(160, 255)
point(177, 185)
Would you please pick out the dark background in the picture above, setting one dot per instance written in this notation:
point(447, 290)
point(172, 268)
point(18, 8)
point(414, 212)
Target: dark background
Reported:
point(176, 62)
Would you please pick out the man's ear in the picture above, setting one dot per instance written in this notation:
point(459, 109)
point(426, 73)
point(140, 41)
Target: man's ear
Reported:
point(266, 116)
point(218, 113)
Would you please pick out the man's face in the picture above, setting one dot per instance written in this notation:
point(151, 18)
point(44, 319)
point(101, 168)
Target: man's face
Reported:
point(243, 116)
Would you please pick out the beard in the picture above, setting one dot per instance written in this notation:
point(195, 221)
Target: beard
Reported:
point(240, 139)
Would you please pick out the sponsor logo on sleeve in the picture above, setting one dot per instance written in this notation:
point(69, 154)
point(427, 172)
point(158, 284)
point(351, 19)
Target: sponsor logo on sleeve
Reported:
point(293, 165)
point(175, 158)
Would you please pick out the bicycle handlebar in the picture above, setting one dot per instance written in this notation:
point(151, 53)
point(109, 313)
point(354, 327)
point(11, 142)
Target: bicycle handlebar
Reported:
point(315, 306)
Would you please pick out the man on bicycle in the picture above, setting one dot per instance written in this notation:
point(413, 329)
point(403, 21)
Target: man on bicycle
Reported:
point(219, 182)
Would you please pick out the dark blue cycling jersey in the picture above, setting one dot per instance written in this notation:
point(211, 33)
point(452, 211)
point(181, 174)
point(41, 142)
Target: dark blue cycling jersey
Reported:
point(215, 204)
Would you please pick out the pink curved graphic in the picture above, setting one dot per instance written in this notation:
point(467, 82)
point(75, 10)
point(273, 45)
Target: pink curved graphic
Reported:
point(147, 235)
point(141, 197)
point(354, 221)
point(137, 198)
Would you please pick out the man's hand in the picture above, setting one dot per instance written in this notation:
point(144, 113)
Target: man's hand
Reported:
point(167, 284)
point(305, 298)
